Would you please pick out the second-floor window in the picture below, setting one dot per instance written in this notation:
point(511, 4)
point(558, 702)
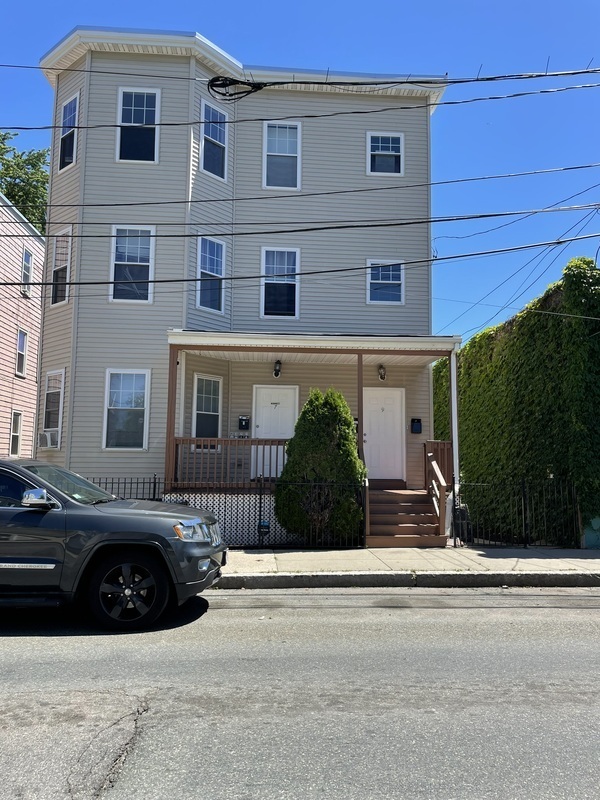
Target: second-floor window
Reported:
point(61, 268)
point(210, 272)
point(280, 283)
point(132, 264)
point(139, 111)
point(68, 136)
point(21, 364)
point(214, 141)
point(385, 282)
point(281, 168)
point(385, 153)
point(26, 273)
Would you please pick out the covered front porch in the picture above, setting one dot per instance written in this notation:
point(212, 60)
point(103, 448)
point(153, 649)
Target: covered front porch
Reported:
point(233, 400)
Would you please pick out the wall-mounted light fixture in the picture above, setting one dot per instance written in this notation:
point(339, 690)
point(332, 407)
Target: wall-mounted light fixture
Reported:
point(277, 369)
point(381, 372)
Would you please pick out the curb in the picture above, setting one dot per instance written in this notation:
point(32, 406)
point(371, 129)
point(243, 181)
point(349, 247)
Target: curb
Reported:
point(440, 580)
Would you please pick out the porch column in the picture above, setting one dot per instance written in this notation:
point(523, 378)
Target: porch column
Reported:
point(454, 414)
point(171, 402)
point(359, 405)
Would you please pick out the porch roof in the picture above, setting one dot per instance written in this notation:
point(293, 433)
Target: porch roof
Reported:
point(315, 348)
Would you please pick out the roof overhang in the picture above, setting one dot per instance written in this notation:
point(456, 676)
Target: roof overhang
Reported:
point(314, 348)
point(181, 43)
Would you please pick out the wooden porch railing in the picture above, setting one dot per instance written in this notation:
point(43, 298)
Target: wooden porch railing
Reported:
point(225, 463)
point(437, 486)
point(442, 454)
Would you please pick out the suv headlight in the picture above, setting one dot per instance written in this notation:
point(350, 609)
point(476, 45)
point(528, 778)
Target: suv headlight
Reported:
point(192, 531)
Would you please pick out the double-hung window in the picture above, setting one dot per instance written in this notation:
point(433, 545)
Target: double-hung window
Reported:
point(280, 283)
point(15, 433)
point(385, 282)
point(61, 268)
point(132, 264)
point(21, 365)
point(210, 273)
point(139, 111)
point(385, 153)
point(68, 136)
point(53, 407)
point(126, 413)
point(26, 273)
point(281, 167)
point(214, 141)
point(207, 407)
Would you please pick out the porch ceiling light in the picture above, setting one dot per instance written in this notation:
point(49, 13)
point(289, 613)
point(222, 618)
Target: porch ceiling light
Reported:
point(277, 369)
point(381, 372)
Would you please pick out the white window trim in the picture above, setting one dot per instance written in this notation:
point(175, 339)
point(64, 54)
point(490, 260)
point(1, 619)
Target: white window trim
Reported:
point(385, 174)
point(143, 90)
point(199, 270)
point(113, 253)
point(26, 285)
point(382, 262)
point(114, 370)
point(75, 131)
point(22, 374)
point(58, 430)
point(65, 232)
point(290, 123)
point(14, 413)
point(263, 281)
point(203, 136)
point(219, 379)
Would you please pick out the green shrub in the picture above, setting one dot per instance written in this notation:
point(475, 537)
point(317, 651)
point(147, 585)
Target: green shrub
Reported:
point(317, 494)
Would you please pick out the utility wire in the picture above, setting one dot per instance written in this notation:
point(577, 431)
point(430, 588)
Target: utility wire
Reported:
point(355, 112)
point(288, 196)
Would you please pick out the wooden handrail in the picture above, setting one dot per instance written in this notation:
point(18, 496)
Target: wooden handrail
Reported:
point(437, 488)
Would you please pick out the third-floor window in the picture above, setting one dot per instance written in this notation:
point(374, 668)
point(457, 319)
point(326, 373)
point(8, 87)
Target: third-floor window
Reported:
point(214, 141)
point(68, 135)
point(139, 112)
point(281, 167)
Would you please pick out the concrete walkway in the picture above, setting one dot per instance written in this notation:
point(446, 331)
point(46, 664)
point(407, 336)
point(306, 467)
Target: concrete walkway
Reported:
point(442, 567)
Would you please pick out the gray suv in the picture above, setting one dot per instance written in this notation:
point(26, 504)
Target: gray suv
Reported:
point(64, 539)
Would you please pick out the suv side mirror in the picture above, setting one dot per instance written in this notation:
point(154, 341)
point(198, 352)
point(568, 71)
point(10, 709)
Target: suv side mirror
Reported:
point(36, 498)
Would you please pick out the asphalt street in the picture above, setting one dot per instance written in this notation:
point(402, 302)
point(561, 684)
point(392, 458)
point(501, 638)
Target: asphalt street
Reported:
point(366, 693)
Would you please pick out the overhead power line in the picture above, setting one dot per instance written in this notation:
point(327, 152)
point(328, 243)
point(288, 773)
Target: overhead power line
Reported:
point(297, 195)
point(355, 112)
point(419, 262)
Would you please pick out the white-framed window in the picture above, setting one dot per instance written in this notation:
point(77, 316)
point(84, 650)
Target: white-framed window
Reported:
point(210, 293)
point(213, 155)
point(385, 282)
point(385, 153)
point(16, 427)
point(53, 409)
point(137, 134)
point(207, 411)
point(61, 267)
point(26, 272)
point(126, 409)
point(67, 153)
point(21, 364)
point(279, 289)
point(132, 265)
point(281, 155)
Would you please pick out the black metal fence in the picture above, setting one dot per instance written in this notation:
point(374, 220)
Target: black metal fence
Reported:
point(528, 513)
point(247, 516)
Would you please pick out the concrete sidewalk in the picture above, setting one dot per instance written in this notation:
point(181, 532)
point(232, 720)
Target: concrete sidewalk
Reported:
point(411, 567)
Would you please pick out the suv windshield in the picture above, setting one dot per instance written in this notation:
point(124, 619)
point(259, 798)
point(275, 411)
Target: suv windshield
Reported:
point(74, 486)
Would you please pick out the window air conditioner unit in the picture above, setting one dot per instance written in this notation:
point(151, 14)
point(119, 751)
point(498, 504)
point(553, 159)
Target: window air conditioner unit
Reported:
point(48, 439)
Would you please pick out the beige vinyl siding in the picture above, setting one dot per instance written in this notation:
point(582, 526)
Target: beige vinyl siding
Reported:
point(18, 313)
point(334, 158)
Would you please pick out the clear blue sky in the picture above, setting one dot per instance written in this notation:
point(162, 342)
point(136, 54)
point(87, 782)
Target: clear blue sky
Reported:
point(484, 138)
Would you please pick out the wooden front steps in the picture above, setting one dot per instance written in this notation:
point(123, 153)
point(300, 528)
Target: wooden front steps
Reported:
point(401, 517)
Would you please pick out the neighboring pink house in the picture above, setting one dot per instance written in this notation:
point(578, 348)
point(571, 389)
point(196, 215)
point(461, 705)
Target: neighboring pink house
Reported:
point(21, 259)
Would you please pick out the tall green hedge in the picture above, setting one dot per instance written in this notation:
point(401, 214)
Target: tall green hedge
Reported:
point(529, 391)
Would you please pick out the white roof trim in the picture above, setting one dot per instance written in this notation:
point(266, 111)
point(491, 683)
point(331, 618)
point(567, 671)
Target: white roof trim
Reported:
point(5, 202)
point(400, 344)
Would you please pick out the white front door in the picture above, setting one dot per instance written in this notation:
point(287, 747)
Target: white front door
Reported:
point(383, 428)
point(275, 414)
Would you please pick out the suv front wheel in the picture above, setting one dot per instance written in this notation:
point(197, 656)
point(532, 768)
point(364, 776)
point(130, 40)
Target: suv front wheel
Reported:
point(128, 590)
